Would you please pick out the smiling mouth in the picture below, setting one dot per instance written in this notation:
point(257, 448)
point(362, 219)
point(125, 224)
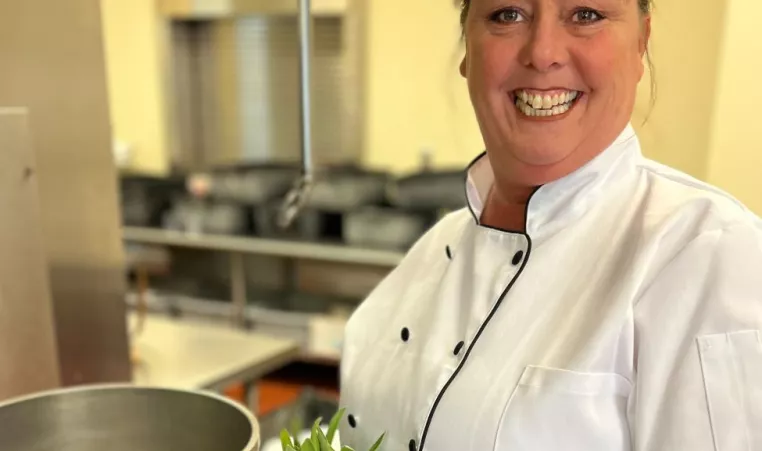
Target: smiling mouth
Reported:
point(547, 104)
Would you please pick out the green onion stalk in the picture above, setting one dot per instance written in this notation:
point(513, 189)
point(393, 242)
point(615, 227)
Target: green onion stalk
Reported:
point(319, 441)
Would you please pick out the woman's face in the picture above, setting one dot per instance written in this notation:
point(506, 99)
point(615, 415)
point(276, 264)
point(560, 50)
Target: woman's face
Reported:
point(553, 82)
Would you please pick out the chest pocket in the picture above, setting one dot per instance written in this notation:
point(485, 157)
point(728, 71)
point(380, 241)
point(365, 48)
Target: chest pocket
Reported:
point(553, 409)
point(732, 368)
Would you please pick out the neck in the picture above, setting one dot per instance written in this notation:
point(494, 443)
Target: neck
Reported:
point(506, 208)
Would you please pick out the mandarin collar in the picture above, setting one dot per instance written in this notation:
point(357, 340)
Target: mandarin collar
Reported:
point(555, 204)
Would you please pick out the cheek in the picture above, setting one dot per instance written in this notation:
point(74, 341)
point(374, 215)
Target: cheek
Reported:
point(610, 63)
point(493, 61)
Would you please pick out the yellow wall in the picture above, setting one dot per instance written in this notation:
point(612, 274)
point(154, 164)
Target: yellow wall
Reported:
point(415, 96)
point(685, 46)
point(131, 32)
point(736, 144)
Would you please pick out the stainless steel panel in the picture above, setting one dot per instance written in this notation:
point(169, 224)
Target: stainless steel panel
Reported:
point(53, 64)
point(205, 9)
point(28, 357)
point(119, 418)
point(236, 90)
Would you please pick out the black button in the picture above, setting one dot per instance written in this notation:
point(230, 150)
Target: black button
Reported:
point(459, 348)
point(405, 334)
point(448, 251)
point(411, 446)
point(352, 421)
point(518, 257)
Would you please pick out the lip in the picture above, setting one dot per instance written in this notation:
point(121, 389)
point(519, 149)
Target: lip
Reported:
point(544, 90)
point(536, 91)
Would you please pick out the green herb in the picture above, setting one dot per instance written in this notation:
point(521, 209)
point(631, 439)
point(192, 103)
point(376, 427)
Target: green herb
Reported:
point(319, 441)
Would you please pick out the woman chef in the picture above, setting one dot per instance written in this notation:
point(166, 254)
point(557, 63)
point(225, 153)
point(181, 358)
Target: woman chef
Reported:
point(588, 299)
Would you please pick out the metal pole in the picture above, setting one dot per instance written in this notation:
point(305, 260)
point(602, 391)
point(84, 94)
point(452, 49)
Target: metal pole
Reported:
point(298, 195)
point(238, 288)
point(305, 55)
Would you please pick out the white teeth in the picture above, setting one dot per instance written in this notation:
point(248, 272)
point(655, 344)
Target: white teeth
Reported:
point(544, 106)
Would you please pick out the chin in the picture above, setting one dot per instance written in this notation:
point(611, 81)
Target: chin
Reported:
point(533, 164)
point(540, 154)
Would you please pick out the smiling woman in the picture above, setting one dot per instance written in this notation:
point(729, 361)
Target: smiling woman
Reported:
point(592, 51)
point(587, 299)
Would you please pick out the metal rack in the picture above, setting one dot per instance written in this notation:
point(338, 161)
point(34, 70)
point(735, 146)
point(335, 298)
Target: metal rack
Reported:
point(238, 247)
point(276, 248)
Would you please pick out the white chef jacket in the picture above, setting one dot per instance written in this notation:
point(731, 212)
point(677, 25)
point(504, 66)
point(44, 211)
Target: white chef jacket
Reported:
point(626, 317)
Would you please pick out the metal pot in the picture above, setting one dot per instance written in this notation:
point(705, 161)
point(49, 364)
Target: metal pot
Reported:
point(126, 418)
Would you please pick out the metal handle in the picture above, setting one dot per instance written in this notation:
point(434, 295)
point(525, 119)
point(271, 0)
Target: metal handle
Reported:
point(298, 196)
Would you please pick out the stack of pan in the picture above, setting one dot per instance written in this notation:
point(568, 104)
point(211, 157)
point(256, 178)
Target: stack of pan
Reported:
point(414, 203)
point(231, 200)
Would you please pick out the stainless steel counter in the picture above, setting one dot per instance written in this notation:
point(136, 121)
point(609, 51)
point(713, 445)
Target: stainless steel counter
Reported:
point(196, 354)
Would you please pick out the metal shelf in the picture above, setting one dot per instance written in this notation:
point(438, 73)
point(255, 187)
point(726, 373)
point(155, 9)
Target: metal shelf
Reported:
point(276, 248)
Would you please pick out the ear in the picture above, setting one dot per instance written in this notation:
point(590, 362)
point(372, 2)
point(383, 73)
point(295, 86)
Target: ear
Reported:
point(645, 36)
point(463, 64)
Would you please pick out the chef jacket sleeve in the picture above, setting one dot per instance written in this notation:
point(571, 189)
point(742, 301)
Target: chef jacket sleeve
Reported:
point(698, 354)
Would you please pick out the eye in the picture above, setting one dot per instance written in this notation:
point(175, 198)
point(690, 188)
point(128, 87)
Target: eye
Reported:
point(506, 16)
point(586, 16)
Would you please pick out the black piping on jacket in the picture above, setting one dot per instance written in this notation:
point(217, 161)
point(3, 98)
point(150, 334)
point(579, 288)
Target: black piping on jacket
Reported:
point(492, 312)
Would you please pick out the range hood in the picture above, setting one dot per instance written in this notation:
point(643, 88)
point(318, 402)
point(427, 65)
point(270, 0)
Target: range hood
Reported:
point(211, 9)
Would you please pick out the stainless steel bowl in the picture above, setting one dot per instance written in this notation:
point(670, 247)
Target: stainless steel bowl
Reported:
point(126, 418)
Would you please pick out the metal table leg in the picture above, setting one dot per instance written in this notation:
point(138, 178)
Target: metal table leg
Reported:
point(238, 288)
point(251, 396)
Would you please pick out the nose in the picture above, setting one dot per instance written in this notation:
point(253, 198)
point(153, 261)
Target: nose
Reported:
point(546, 47)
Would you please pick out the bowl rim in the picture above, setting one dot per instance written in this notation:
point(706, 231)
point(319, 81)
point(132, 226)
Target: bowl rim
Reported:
point(251, 445)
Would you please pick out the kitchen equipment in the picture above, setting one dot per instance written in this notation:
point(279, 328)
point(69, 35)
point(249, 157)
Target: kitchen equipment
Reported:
point(344, 189)
point(145, 199)
point(126, 418)
point(307, 226)
point(200, 216)
point(432, 190)
point(384, 228)
point(252, 184)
